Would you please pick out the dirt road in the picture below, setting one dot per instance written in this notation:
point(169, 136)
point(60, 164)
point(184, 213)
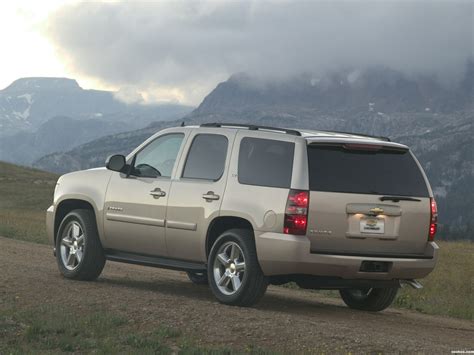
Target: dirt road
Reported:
point(285, 320)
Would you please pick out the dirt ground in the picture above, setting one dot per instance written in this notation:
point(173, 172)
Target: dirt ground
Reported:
point(285, 320)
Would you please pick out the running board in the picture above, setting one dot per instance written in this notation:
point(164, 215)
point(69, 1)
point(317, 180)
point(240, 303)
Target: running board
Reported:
point(154, 261)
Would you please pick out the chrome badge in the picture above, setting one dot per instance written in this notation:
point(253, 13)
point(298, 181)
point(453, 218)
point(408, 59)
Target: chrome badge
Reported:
point(376, 211)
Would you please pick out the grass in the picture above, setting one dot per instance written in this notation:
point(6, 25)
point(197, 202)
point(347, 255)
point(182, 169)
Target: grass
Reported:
point(60, 329)
point(449, 289)
point(25, 194)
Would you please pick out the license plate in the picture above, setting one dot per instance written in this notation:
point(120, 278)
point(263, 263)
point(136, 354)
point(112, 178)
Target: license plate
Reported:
point(372, 225)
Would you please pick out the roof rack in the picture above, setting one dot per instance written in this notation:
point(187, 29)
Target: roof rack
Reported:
point(253, 127)
point(386, 139)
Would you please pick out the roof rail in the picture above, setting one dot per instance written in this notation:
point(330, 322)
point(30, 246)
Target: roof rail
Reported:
point(253, 127)
point(386, 139)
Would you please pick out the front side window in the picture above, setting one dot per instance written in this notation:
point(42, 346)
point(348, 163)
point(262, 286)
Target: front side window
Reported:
point(158, 158)
point(206, 157)
point(265, 162)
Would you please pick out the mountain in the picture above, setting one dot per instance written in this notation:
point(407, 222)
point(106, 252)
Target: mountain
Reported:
point(39, 116)
point(59, 133)
point(94, 153)
point(337, 100)
point(29, 102)
point(435, 120)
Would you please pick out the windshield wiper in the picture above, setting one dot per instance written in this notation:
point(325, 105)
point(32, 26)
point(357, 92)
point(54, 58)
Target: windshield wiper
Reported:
point(398, 198)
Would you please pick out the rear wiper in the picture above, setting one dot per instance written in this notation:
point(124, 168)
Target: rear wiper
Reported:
point(398, 198)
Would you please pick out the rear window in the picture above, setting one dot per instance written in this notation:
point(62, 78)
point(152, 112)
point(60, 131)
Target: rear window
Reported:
point(382, 172)
point(265, 162)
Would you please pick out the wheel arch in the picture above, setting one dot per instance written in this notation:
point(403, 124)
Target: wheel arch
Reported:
point(67, 205)
point(222, 223)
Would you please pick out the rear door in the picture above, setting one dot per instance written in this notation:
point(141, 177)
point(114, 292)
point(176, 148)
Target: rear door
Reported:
point(351, 211)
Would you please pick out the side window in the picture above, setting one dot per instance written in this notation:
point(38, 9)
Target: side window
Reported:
point(265, 162)
point(158, 157)
point(206, 157)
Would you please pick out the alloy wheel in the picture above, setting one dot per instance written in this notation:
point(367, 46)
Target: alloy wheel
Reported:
point(229, 268)
point(72, 246)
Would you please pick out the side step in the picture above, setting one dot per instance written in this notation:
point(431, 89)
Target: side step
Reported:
point(154, 261)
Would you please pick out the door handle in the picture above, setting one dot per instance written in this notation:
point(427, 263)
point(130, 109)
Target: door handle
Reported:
point(157, 193)
point(210, 196)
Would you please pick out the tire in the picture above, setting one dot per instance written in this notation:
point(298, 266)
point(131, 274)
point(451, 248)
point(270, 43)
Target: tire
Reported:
point(79, 258)
point(372, 300)
point(234, 253)
point(198, 278)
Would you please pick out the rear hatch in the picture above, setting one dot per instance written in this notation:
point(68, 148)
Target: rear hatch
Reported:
point(354, 209)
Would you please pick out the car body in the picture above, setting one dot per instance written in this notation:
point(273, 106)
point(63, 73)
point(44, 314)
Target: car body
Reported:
point(305, 199)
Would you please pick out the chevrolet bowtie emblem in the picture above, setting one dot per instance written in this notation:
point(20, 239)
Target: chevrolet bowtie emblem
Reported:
point(376, 211)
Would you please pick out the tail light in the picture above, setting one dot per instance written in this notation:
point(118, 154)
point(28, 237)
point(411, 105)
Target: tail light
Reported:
point(433, 219)
point(296, 213)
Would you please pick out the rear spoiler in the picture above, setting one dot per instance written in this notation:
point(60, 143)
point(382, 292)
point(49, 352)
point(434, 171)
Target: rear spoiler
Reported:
point(354, 143)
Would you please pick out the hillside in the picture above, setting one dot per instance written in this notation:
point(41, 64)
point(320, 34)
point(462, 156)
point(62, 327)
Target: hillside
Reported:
point(25, 195)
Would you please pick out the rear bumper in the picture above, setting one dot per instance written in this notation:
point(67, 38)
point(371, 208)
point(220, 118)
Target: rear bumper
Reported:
point(282, 254)
point(50, 224)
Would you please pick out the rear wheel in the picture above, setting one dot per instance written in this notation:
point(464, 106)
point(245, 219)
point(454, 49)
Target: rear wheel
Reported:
point(198, 278)
point(234, 274)
point(372, 299)
point(79, 252)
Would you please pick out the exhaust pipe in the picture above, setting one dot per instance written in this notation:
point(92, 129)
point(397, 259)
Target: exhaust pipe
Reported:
point(413, 283)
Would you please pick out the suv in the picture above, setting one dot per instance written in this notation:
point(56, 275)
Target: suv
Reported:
point(244, 206)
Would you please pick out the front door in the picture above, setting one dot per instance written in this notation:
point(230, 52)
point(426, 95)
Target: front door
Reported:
point(135, 205)
point(197, 194)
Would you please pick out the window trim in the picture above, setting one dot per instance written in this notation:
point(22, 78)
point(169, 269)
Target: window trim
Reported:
point(182, 177)
point(261, 185)
point(133, 158)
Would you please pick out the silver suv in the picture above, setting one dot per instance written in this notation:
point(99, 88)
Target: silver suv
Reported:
point(244, 206)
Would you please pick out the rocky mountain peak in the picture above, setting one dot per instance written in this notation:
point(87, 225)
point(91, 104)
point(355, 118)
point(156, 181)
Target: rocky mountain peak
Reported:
point(42, 83)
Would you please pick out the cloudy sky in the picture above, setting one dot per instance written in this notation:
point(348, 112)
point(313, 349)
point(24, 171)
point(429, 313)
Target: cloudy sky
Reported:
point(180, 50)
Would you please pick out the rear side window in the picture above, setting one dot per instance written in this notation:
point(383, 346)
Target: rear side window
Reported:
point(206, 157)
point(265, 162)
point(381, 172)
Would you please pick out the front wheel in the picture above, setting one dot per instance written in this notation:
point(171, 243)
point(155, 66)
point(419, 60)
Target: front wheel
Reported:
point(79, 252)
point(234, 274)
point(372, 299)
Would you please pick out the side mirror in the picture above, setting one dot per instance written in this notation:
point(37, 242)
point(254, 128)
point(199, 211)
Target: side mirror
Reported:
point(116, 163)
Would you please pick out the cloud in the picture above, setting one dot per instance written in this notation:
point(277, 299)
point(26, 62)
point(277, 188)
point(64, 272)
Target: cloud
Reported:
point(186, 48)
